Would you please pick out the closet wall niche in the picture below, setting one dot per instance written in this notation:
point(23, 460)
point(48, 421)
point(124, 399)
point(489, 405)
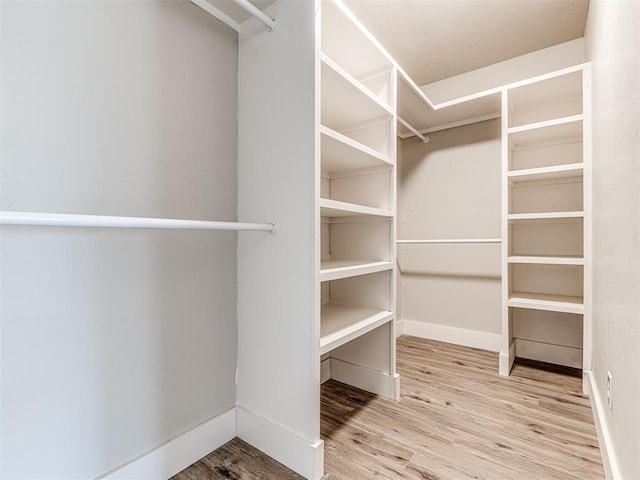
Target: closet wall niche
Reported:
point(546, 222)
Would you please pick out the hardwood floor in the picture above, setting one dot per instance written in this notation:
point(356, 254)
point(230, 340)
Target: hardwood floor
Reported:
point(456, 419)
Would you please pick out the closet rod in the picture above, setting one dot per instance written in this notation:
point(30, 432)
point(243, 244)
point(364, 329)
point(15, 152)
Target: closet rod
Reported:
point(452, 240)
point(259, 14)
point(413, 130)
point(73, 220)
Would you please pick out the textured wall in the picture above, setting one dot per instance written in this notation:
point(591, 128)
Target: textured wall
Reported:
point(613, 36)
point(450, 188)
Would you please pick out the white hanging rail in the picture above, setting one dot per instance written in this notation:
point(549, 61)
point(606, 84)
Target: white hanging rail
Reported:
point(259, 14)
point(452, 240)
point(413, 130)
point(216, 12)
point(224, 18)
point(72, 220)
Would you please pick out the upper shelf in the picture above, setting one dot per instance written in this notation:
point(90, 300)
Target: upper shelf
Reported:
point(560, 130)
point(346, 103)
point(341, 153)
point(424, 118)
point(348, 43)
point(556, 97)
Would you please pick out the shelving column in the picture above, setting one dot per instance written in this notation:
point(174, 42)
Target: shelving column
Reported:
point(355, 206)
point(546, 221)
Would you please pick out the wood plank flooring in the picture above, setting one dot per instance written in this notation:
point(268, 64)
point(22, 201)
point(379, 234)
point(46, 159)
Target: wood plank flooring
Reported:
point(456, 419)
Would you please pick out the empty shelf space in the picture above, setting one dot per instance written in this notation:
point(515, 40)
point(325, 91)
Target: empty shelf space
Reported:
point(336, 208)
point(346, 103)
point(545, 215)
point(336, 269)
point(554, 172)
point(551, 303)
point(340, 324)
point(547, 259)
point(342, 154)
point(560, 130)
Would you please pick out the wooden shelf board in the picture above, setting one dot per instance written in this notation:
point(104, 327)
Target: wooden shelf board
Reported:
point(423, 117)
point(336, 208)
point(345, 101)
point(340, 324)
point(337, 269)
point(544, 215)
point(569, 170)
point(340, 153)
point(551, 303)
point(547, 259)
point(565, 129)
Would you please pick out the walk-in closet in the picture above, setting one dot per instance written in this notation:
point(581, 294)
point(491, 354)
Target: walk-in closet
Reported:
point(319, 239)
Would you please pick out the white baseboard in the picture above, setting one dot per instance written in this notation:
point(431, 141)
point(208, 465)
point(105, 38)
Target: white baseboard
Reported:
point(365, 378)
point(457, 336)
point(325, 370)
point(399, 328)
point(281, 444)
point(545, 352)
point(609, 459)
point(505, 362)
point(179, 452)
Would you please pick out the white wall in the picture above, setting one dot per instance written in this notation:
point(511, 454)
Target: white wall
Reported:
point(613, 37)
point(278, 348)
point(450, 188)
point(114, 341)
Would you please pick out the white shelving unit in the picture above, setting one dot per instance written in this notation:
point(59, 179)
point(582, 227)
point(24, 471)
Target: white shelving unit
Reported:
point(356, 205)
point(546, 218)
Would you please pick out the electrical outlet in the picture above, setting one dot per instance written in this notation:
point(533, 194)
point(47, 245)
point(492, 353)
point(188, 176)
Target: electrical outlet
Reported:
point(609, 381)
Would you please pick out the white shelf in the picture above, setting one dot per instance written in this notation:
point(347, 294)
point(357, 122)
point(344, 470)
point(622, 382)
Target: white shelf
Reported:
point(559, 130)
point(544, 215)
point(547, 259)
point(551, 303)
point(545, 95)
point(554, 172)
point(340, 324)
point(413, 109)
point(341, 153)
point(337, 269)
point(346, 103)
point(336, 208)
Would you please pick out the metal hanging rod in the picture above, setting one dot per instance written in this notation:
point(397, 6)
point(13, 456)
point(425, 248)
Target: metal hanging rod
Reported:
point(72, 220)
point(413, 130)
point(246, 4)
point(259, 14)
point(452, 240)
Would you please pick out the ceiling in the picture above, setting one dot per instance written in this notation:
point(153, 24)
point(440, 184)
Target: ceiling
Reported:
point(437, 39)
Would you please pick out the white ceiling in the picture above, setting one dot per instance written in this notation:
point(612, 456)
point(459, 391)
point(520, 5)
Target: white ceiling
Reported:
point(436, 39)
point(236, 12)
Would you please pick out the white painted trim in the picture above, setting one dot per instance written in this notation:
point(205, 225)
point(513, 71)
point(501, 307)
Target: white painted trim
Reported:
point(546, 352)
point(219, 14)
point(399, 328)
point(179, 452)
point(280, 443)
point(447, 126)
point(457, 336)
point(365, 378)
point(506, 359)
point(609, 457)
point(325, 370)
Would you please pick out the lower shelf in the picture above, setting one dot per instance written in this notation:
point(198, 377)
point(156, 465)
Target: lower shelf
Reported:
point(551, 303)
point(340, 324)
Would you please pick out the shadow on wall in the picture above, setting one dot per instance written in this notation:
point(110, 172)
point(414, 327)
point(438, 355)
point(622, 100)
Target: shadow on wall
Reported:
point(114, 341)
